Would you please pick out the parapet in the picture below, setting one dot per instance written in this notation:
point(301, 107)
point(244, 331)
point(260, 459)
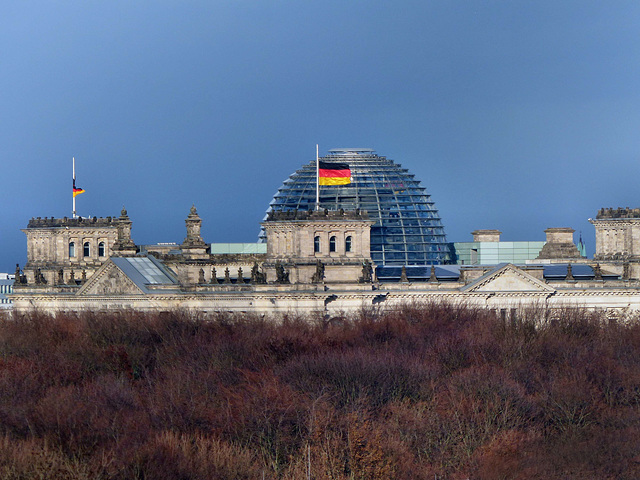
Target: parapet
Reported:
point(560, 235)
point(312, 215)
point(486, 235)
point(605, 213)
point(71, 222)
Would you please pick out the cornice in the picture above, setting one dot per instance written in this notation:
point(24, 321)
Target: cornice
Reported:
point(614, 222)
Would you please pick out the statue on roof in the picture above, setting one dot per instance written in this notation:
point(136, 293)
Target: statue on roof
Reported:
point(318, 276)
point(282, 276)
point(367, 272)
point(257, 277)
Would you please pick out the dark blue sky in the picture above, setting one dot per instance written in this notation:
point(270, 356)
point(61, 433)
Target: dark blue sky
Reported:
point(514, 115)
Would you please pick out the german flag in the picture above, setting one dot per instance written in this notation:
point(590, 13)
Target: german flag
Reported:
point(76, 191)
point(330, 173)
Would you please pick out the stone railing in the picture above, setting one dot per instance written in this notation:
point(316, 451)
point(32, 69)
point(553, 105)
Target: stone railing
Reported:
point(605, 213)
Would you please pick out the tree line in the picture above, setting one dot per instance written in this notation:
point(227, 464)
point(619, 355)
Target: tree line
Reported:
point(430, 391)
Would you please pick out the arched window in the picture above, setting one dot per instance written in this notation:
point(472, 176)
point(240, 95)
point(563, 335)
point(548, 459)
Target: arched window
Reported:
point(86, 250)
point(347, 244)
point(332, 244)
point(101, 249)
point(72, 249)
point(316, 244)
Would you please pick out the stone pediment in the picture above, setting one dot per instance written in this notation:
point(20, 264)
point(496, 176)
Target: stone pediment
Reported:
point(508, 278)
point(109, 280)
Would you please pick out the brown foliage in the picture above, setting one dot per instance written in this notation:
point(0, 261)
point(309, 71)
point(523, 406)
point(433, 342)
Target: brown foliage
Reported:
point(422, 392)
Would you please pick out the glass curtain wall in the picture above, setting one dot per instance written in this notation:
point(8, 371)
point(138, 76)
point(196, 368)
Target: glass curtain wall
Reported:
point(408, 229)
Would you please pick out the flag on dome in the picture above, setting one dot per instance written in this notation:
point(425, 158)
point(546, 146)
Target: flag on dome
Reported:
point(330, 173)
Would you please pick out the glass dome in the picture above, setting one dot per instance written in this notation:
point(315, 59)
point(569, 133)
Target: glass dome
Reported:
point(408, 230)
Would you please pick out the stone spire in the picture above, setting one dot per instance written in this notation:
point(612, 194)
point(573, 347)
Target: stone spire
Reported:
point(432, 276)
point(124, 245)
point(193, 245)
point(569, 276)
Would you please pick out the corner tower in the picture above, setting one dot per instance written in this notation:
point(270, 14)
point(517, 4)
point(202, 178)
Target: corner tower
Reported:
point(56, 247)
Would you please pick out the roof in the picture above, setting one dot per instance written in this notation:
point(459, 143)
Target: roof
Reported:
point(145, 271)
point(452, 272)
point(578, 270)
point(418, 272)
point(350, 151)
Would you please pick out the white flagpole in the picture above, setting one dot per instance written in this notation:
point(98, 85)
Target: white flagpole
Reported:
point(317, 180)
point(74, 186)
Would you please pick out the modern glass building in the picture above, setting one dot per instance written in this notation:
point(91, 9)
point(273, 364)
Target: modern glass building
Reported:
point(408, 230)
point(493, 253)
point(6, 286)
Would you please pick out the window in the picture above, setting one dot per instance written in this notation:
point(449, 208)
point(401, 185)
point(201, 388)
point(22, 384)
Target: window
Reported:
point(86, 250)
point(347, 244)
point(316, 244)
point(72, 249)
point(332, 244)
point(101, 249)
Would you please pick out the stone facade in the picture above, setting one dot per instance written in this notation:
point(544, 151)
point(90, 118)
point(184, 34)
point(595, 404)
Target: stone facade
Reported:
point(486, 235)
point(617, 234)
point(318, 246)
point(56, 245)
point(315, 261)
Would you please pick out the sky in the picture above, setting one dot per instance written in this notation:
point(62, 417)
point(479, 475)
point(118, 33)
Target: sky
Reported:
point(518, 116)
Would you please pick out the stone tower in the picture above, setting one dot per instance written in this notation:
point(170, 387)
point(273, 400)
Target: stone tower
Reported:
point(618, 240)
point(193, 245)
point(56, 246)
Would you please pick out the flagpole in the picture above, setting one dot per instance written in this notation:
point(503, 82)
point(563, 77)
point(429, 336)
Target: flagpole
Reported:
point(74, 187)
point(317, 180)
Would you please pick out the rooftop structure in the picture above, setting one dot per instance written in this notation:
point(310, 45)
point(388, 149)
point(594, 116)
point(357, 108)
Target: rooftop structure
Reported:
point(407, 229)
point(6, 287)
point(487, 249)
